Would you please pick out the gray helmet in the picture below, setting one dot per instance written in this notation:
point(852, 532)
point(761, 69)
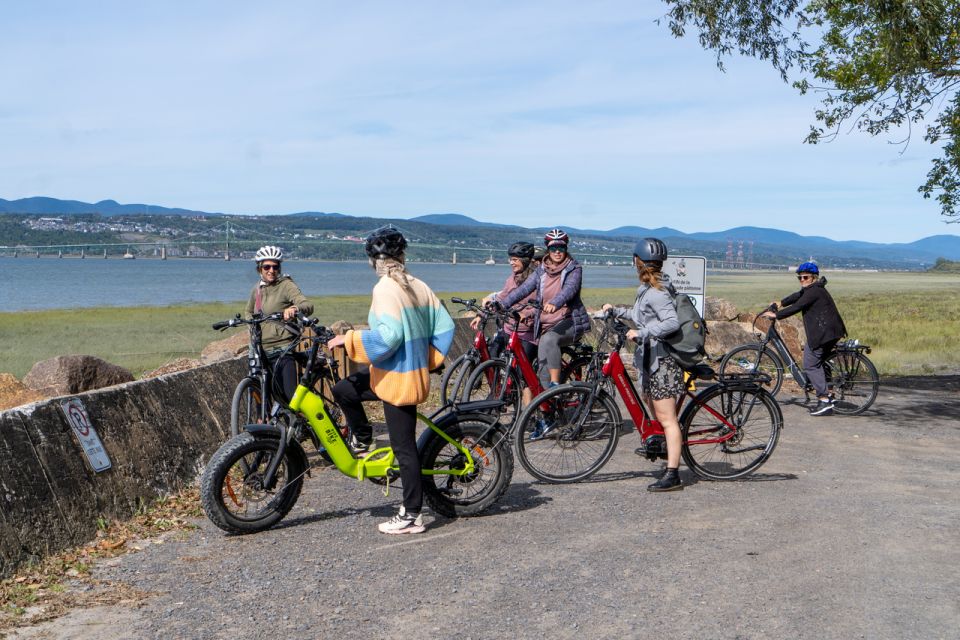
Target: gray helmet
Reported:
point(650, 250)
point(385, 241)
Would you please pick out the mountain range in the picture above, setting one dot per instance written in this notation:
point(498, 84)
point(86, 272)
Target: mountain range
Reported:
point(766, 244)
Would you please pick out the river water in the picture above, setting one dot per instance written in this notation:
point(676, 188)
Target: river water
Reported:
point(52, 283)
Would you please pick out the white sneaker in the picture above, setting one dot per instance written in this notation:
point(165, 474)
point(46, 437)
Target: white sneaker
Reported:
point(403, 523)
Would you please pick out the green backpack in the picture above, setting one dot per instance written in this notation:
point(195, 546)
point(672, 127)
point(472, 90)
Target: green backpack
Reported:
point(686, 344)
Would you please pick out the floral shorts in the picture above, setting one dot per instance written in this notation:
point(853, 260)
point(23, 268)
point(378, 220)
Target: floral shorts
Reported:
point(666, 381)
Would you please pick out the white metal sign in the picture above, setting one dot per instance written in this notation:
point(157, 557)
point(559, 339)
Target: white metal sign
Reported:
point(688, 275)
point(79, 421)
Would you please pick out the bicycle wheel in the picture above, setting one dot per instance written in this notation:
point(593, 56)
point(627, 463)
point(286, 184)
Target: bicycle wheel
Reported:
point(451, 384)
point(494, 380)
point(751, 414)
point(747, 358)
point(465, 495)
point(855, 382)
point(581, 434)
point(245, 406)
point(232, 491)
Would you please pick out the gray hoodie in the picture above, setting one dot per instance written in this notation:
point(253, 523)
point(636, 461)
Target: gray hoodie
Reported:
point(655, 316)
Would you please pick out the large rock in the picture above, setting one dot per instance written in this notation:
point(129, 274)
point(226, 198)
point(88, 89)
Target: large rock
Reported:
point(225, 349)
point(724, 336)
point(65, 375)
point(719, 309)
point(14, 393)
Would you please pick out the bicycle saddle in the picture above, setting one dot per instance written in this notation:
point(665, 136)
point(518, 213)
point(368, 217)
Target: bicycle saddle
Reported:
point(702, 372)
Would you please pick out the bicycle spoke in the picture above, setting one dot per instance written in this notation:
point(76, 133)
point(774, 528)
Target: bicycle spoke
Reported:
point(742, 429)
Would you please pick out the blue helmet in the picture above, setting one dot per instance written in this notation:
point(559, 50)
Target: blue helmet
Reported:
point(809, 267)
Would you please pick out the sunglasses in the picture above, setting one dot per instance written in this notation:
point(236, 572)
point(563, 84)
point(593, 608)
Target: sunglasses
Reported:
point(802, 278)
point(557, 249)
point(270, 267)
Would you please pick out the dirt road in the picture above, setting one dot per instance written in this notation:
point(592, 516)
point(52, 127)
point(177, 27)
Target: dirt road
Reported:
point(849, 531)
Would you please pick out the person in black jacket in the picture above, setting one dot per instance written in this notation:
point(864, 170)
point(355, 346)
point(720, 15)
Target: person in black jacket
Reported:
point(823, 325)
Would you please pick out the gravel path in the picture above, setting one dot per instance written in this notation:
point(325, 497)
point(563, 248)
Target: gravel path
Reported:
point(849, 531)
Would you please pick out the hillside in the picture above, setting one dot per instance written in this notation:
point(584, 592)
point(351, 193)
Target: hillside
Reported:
point(50, 225)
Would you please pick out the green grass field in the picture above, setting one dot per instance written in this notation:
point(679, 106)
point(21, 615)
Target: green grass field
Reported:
point(909, 319)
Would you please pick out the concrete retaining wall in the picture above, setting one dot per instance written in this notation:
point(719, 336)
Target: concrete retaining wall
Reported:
point(157, 432)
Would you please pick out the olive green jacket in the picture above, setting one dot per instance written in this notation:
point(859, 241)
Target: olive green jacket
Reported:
point(273, 298)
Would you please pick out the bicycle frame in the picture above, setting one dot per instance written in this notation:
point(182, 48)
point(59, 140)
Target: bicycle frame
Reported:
point(647, 426)
point(773, 337)
point(378, 463)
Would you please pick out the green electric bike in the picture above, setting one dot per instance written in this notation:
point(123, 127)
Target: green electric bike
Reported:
point(255, 478)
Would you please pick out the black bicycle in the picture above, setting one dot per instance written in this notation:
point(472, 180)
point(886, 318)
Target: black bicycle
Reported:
point(251, 404)
point(851, 377)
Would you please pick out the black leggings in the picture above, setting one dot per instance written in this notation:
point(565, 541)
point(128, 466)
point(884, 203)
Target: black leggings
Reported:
point(350, 393)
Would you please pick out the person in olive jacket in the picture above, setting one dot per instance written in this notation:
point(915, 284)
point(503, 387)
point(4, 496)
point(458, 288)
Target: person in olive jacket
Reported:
point(276, 292)
point(823, 325)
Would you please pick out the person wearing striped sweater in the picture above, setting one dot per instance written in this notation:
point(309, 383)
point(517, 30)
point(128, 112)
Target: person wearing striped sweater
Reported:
point(410, 333)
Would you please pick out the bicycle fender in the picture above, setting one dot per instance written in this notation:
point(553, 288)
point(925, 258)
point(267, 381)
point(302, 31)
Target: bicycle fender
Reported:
point(262, 430)
point(447, 419)
point(294, 449)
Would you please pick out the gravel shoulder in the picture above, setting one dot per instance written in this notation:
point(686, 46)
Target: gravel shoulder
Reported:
point(849, 531)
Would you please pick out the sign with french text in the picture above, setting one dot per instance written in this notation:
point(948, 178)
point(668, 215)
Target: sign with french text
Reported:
point(688, 275)
point(79, 421)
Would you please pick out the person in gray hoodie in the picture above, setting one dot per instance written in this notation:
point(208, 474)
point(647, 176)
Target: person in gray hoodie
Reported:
point(655, 317)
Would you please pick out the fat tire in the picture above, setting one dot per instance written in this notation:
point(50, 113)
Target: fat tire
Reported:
point(212, 485)
point(711, 461)
point(608, 434)
point(774, 367)
point(496, 461)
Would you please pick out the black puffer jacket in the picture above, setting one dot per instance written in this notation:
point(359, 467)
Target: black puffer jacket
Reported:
point(821, 320)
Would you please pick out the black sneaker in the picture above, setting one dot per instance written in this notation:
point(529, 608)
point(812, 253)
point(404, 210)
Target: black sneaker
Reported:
point(360, 448)
point(823, 408)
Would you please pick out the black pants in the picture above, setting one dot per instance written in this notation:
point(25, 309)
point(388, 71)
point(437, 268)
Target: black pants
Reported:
point(350, 393)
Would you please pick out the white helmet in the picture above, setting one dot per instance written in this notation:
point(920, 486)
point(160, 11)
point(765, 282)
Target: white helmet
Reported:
point(269, 252)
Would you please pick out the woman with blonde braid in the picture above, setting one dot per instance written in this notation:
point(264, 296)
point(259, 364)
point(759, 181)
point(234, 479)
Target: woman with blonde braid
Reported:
point(410, 333)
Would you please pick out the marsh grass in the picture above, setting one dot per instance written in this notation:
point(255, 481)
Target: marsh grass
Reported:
point(909, 318)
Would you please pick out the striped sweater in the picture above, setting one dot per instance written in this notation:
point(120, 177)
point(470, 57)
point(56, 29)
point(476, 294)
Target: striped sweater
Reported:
point(410, 333)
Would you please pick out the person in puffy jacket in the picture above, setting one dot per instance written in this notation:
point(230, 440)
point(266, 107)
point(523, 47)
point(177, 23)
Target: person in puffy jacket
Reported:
point(410, 333)
point(276, 292)
point(822, 324)
point(562, 318)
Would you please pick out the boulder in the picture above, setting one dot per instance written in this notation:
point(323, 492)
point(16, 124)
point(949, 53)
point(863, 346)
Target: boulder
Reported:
point(719, 309)
point(340, 327)
point(791, 330)
point(14, 393)
point(180, 364)
point(724, 336)
point(66, 375)
point(225, 349)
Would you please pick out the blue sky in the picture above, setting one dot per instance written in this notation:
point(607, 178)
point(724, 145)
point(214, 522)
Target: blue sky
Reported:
point(534, 113)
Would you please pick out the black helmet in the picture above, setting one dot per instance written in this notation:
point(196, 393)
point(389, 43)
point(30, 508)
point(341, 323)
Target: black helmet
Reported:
point(650, 250)
point(522, 250)
point(539, 253)
point(385, 241)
